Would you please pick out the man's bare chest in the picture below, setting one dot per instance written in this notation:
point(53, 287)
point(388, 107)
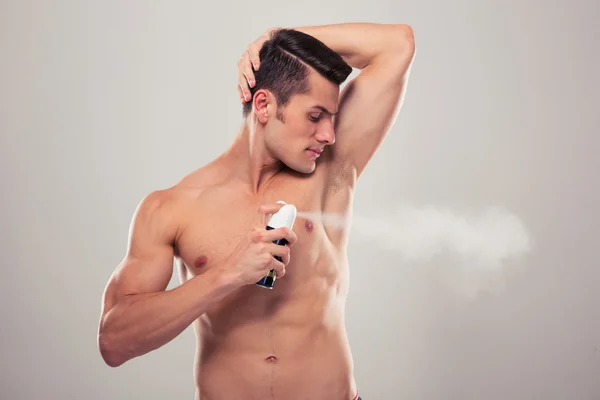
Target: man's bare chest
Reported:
point(222, 218)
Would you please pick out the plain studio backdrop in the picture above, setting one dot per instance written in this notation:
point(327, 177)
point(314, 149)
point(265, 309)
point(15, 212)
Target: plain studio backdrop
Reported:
point(102, 102)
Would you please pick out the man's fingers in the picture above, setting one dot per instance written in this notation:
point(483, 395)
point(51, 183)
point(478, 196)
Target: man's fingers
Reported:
point(248, 64)
point(278, 267)
point(243, 86)
point(246, 67)
point(266, 210)
point(241, 93)
point(270, 208)
point(253, 56)
point(281, 233)
point(283, 252)
point(255, 48)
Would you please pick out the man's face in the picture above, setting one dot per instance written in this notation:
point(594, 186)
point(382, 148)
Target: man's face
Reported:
point(305, 126)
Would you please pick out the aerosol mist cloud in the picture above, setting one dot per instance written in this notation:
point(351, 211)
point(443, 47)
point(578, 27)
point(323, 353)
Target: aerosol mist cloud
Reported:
point(469, 247)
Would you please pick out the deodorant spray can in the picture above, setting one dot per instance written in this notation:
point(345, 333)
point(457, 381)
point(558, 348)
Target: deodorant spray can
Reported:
point(284, 217)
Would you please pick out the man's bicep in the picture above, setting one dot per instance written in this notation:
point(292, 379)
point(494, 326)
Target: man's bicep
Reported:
point(148, 264)
point(369, 105)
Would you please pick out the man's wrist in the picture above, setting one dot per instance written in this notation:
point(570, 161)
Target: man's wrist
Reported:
point(223, 281)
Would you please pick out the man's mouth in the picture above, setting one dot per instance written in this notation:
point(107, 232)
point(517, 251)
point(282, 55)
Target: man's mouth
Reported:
point(315, 152)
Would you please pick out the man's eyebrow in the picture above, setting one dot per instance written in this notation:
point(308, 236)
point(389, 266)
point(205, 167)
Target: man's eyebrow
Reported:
point(326, 111)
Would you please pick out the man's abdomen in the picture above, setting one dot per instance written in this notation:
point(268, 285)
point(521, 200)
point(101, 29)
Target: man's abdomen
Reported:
point(295, 364)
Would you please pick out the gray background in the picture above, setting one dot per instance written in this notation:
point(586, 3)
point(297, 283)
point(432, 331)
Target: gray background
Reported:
point(102, 102)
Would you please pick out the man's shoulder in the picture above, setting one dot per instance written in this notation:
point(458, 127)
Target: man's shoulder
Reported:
point(188, 189)
point(165, 208)
point(173, 197)
point(157, 203)
point(159, 198)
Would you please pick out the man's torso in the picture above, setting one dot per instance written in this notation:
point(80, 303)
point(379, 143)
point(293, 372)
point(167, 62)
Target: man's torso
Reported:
point(283, 343)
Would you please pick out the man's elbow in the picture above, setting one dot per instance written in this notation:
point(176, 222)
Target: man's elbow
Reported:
point(401, 51)
point(402, 42)
point(109, 354)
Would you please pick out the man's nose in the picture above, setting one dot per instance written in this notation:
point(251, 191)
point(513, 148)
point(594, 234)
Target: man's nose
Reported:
point(326, 135)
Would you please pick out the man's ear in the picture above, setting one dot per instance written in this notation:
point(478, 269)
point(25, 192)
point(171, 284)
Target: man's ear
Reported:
point(261, 101)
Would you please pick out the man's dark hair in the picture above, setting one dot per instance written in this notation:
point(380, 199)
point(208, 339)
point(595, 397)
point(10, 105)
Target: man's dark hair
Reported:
point(283, 66)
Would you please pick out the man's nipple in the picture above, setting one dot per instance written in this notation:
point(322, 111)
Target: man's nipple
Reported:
point(200, 262)
point(308, 225)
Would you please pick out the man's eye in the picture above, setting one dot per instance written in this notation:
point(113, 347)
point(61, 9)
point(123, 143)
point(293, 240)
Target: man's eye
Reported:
point(315, 118)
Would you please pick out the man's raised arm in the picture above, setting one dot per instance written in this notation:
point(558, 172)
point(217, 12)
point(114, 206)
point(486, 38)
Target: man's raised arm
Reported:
point(370, 103)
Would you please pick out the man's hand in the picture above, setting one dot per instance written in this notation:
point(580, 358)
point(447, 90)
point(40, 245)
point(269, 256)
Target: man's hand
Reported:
point(255, 255)
point(249, 63)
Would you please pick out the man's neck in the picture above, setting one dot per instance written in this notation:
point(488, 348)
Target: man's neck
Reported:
point(249, 160)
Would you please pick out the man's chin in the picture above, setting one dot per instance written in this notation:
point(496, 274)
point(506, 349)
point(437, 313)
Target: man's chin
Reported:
point(304, 168)
point(310, 168)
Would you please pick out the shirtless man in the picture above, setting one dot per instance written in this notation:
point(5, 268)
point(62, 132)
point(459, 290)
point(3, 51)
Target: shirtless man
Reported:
point(253, 343)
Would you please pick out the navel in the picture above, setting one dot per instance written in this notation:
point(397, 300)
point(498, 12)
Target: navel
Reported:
point(200, 262)
point(271, 359)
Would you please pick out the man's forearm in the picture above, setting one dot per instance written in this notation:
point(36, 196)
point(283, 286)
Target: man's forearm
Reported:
point(141, 323)
point(360, 44)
